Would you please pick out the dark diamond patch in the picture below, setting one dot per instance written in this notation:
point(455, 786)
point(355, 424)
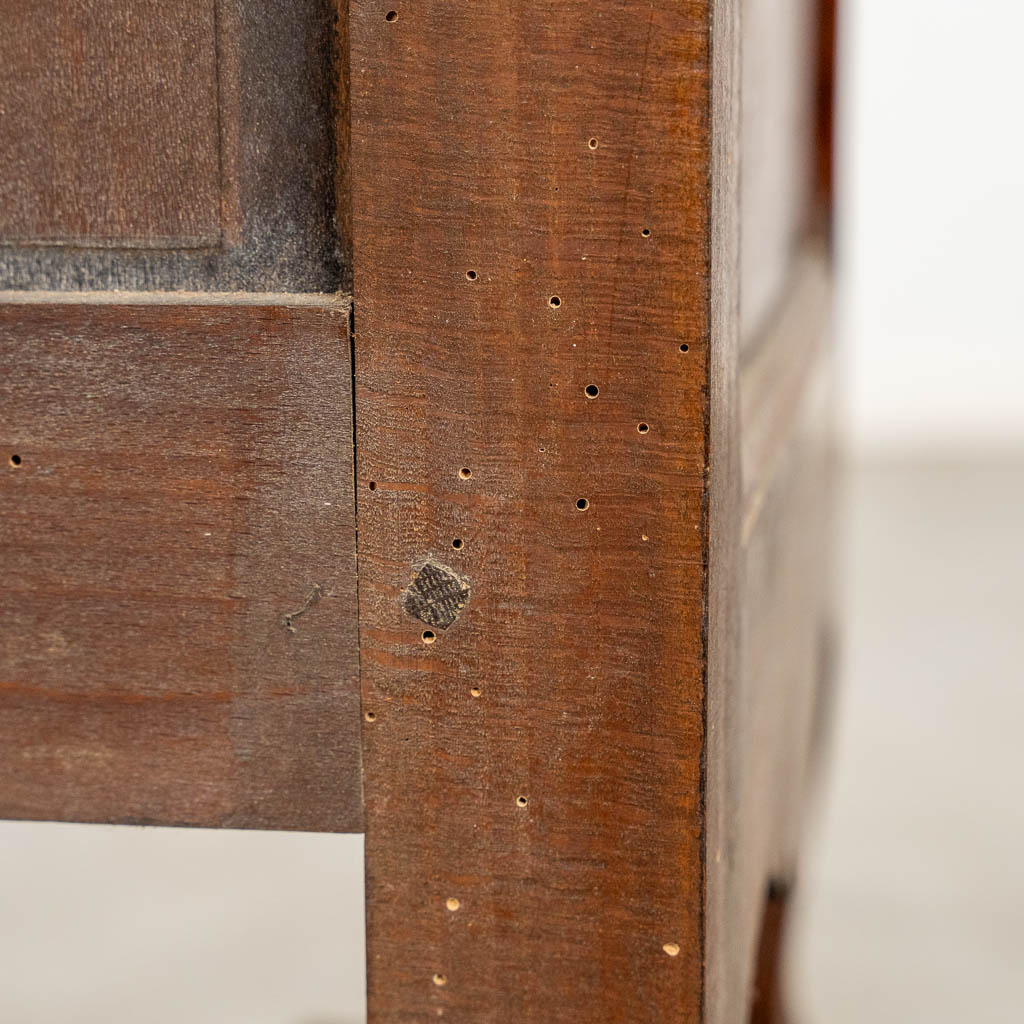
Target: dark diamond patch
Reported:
point(436, 596)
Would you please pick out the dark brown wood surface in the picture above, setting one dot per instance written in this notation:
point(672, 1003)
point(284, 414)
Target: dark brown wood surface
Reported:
point(532, 243)
point(770, 1003)
point(825, 102)
point(177, 577)
point(152, 145)
point(580, 788)
point(109, 128)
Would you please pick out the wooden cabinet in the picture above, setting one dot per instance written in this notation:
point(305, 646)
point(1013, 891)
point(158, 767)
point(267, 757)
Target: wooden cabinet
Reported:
point(389, 448)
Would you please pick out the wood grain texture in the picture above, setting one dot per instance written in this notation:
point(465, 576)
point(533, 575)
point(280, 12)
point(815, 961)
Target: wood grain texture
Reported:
point(177, 578)
point(170, 146)
point(109, 126)
point(532, 219)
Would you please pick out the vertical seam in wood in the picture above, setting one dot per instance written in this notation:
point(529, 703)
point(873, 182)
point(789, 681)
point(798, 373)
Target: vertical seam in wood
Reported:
point(342, 193)
point(706, 576)
point(355, 553)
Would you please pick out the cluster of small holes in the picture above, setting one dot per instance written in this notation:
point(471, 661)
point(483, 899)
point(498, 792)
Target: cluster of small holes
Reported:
point(15, 460)
point(591, 391)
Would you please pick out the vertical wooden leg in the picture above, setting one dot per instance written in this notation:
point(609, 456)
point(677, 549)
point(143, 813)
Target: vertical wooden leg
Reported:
point(534, 365)
point(769, 1003)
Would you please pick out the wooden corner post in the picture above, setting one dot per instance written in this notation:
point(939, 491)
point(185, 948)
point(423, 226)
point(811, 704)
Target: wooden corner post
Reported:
point(544, 234)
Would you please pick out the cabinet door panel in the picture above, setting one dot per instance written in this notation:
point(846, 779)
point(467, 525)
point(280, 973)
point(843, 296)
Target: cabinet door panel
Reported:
point(186, 145)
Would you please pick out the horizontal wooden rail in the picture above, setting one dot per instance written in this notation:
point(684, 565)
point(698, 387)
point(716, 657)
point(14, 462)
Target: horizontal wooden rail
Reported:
point(178, 566)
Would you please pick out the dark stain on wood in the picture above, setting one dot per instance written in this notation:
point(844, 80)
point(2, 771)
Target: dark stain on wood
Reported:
point(436, 595)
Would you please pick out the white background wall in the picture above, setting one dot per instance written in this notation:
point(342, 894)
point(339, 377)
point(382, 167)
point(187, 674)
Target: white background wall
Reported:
point(931, 224)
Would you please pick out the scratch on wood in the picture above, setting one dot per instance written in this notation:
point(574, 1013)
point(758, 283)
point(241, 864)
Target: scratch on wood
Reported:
point(312, 598)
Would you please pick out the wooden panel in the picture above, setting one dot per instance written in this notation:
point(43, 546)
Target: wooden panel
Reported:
point(190, 145)
point(109, 126)
point(177, 587)
point(769, 667)
point(531, 231)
